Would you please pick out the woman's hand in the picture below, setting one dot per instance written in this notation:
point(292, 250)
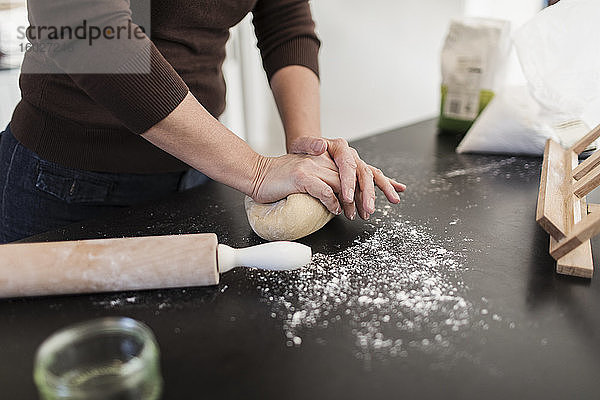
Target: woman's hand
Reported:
point(277, 177)
point(357, 178)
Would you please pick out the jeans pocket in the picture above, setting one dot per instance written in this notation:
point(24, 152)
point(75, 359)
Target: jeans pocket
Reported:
point(72, 186)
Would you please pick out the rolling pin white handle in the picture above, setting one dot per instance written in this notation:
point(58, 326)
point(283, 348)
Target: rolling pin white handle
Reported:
point(275, 256)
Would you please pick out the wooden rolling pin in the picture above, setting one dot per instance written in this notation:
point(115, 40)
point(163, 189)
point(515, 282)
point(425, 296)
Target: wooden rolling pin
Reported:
point(106, 265)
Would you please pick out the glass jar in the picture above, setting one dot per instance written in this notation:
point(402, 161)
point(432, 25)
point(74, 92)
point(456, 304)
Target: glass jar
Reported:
point(108, 358)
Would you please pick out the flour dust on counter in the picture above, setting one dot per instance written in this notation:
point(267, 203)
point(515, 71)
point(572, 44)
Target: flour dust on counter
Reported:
point(117, 301)
point(399, 290)
point(166, 299)
point(487, 167)
point(471, 173)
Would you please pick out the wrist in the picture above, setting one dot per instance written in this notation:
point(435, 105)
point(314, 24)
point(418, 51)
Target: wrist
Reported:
point(259, 165)
point(291, 137)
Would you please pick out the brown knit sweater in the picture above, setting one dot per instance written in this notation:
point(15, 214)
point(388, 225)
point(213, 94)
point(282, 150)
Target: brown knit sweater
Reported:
point(94, 121)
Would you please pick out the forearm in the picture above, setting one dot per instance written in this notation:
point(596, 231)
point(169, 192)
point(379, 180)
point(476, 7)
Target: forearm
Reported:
point(194, 136)
point(296, 92)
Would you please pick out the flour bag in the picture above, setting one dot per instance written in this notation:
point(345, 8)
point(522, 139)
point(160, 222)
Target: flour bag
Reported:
point(559, 54)
point(473, 67)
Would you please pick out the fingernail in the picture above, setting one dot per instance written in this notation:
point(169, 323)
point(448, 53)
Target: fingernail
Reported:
point(372, 205)
point(353, 216)
point(317, 145)
point(367, 215)
point(396, 196)
point(338, 211)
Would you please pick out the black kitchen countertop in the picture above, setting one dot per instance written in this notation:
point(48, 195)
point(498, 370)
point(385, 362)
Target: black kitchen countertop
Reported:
point(524, 331)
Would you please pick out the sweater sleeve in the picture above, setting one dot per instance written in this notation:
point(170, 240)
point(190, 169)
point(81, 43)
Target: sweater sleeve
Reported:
point(108, 56)
point(286, 35)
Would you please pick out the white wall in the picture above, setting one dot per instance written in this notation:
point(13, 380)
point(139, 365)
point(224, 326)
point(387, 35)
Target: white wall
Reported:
point(233, 116)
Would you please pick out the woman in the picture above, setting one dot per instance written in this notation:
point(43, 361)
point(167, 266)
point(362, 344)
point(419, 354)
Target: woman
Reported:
point(110, 118)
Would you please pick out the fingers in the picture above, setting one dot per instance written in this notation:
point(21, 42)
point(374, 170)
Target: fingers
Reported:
point(367, 188)
point(399, 187)
point(358, 202)
point(322, 191)
point(330, 177)
point(349, 210)
point(346, 161)
point(384, 183)
point(310, 145)
point(311, 179)
point(338, 170)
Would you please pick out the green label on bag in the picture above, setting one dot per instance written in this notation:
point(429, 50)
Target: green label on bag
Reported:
point(459, 109)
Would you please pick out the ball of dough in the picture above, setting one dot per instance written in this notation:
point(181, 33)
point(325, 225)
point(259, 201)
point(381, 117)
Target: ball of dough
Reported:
point(292, 218)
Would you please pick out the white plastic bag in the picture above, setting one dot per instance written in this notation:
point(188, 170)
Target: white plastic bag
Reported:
point(510, 124)
point(559, 53)
point(560, 56)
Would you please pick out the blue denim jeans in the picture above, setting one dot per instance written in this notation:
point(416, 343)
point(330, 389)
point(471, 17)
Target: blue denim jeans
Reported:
point(38, 195)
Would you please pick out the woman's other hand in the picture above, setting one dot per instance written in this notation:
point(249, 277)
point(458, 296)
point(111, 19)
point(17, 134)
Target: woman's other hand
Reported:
point(357, 178)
